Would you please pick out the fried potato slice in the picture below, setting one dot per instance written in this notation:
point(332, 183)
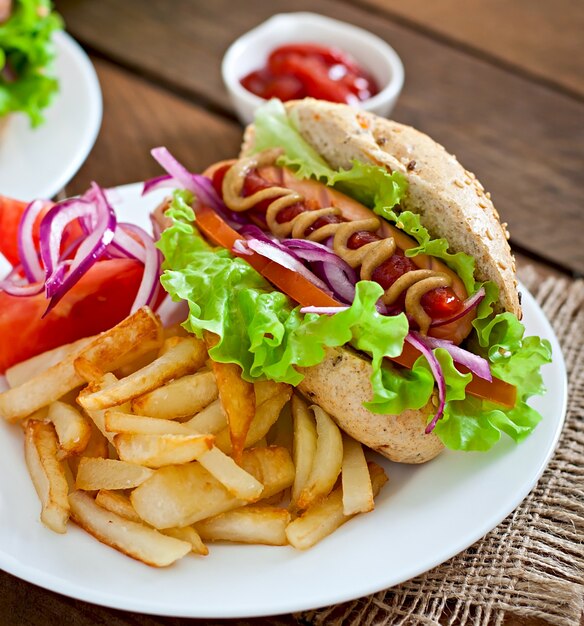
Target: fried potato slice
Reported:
point(98, 473)
point(97, 447)
point(126, 423)
point(356, 481)
point(187, 356)
point(48, 475)
point(181, 397)
point(54, 382)
point(159, 450)
point(73, 430)
point(265, 416)
point(326, 515)
point(121, 505)
point(180, 495)
point(304, 447)
point(237, 397)
point(239, 483)
point(327, 460)
point(250, 524)
point(136, 540)
point(211, 419)
point(25, 370)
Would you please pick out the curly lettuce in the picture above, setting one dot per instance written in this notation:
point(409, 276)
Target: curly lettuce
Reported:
point(26, 54)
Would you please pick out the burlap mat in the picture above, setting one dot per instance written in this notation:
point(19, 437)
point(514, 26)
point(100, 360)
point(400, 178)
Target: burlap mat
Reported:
point(532, 564)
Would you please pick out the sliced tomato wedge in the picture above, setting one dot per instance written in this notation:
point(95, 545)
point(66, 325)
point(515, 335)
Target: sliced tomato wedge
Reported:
point(99, 301)
point(305, 293)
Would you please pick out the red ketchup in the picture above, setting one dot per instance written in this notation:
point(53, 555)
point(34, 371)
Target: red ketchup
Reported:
point(309, 70)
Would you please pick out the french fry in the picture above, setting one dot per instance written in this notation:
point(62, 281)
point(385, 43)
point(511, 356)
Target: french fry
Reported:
point(88, 370)
point(126, 423)
point(182, 397)
point(211, 419)
point(180, 495)
point(48, 476)
point(237, 397)
point(266, 415)
point(98, 416)
point(325, 516)
point(159, 450)
point(73, 430)
point(304, 445)
point(97, 473)
point(356, 481)
point(266, 389)
point(54, 382)
point(25, 370)
point(188, 356)
point(121, 505)
point(117, 503)
point(250, 524)
point(97, 447)
point(282, 432)
point(136, 540)
point(190, 535)
point(327, 460)
point(237, 481)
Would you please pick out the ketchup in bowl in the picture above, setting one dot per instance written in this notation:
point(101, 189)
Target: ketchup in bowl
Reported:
point(310, 70)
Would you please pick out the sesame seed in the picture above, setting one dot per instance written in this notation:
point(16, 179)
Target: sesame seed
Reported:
point(459, 184)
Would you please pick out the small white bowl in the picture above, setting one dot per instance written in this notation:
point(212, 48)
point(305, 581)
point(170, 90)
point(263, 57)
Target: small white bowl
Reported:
point(250, 52)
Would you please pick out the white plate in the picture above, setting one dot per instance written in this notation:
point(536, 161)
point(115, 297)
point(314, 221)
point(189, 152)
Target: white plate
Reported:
point(425, 515)
point(39, 162)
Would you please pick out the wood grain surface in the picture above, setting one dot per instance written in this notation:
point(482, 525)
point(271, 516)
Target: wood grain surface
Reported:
point(504, 98)
point(524, 139)
point(527, 36)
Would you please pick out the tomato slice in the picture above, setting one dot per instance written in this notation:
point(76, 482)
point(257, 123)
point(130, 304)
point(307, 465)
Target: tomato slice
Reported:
point(10, 215)
point(99, 301)
point(305, 293)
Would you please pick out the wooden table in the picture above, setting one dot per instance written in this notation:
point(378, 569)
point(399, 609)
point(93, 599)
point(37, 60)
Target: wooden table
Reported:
point(500, 84)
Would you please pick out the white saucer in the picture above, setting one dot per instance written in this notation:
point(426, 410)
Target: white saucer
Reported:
point(37, 163)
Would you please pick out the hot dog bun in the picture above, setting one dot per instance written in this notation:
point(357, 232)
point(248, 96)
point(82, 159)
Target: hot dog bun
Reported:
point(450, 200)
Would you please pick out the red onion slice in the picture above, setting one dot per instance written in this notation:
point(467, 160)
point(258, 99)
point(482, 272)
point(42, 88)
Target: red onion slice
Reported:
point(150, 285)
point(285, 259)
point(16, 285)
point(90, 251)
point(476, 364)
point(27, 250)
point(171, 312)
point(467, 305)
point(126, 245)
point(438, 374)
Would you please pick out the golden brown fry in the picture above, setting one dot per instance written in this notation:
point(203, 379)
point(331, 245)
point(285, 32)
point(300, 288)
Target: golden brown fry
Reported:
point(97, 473)
point(59, 379)
point(266, 415)
point(328, 459)
point(304, 445)
point(182, 397)
point(89, 371)
point(48, 476)
point(126, 423)
point(97, 447)
point(73, 430)
point(356, 481)
point(250, 524)
point(211, 419)
point(160, 450)
point(121, 505)
point(324, 517)
point(186, 357)
point(25, 370)
point(180, 495)
point(136, 540)
point(237, 481)
point(237, 397)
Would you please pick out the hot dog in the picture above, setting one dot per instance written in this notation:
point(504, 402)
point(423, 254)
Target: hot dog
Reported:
point(284, 209)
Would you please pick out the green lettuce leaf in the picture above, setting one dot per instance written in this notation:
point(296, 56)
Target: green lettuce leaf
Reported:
point(26, 54)
point(259, 329)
